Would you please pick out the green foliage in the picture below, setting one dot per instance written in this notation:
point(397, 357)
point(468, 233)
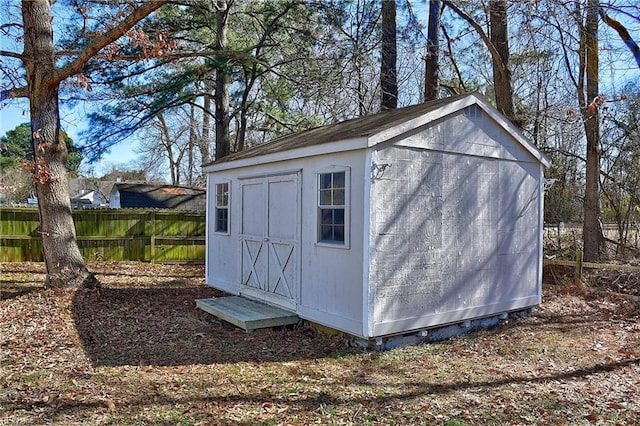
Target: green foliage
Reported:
point(16, 146)
point(289, 66)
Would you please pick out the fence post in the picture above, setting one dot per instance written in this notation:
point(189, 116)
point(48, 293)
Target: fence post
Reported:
point(578, 272)
point(152, 228)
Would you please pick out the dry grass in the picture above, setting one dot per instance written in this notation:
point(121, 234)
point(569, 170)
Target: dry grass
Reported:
point(139, 352)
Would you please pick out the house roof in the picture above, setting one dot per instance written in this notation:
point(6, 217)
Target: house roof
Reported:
point(373, 129)
point(136, 195)
point(102, 187)
point(87, 198)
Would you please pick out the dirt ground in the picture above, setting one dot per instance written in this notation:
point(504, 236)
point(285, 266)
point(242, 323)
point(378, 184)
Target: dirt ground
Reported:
point(138, 352)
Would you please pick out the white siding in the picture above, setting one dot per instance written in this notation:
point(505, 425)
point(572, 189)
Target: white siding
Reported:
point(456, 235)
point(114, 198)
point(331, 278)
point(461, 135)
point(222, 248)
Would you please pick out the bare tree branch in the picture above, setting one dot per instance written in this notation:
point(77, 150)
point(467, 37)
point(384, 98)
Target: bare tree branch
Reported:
point(10, 54)
point(492, 49)
point(623, 33)
point(20, 92)
point(237, 55)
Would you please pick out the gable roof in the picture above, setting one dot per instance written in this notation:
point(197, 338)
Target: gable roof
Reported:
point(370, 130)
point(89, 198)
point(102, 187)
point(136, 195)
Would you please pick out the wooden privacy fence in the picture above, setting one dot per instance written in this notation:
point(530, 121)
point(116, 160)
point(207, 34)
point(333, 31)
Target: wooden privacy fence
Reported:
point(127, 234)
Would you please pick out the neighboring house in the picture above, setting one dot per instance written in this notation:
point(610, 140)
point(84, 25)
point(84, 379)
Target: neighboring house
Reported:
point(88, 199)
point(89, 192)
point(397, 222)
point(143, 195)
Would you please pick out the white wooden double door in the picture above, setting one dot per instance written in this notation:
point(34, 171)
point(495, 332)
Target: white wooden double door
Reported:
point(270, 239)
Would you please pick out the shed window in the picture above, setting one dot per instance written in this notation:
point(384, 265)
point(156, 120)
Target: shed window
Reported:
point(222, 207)
point(332, 207)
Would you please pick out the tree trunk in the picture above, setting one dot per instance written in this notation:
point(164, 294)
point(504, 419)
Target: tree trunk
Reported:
point(388, 72)
point(242, 129)
point(249, 78)
point(501, 74)
point(168, 147)
point(63, 260)
point(205, 141)
point(223, 140)
point(590, 102)
point(498, 44)
point(432, 60)
point(192, 143)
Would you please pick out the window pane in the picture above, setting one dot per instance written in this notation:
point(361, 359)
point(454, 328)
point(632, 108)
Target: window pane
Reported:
point(326, 217)
point(338, 180)
point(331, 207)
point(222, 220)
point(325, 197)
point(325, 181)
point(326, 233)
point(222, 194)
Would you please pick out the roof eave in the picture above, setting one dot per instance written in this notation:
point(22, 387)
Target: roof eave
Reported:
point(307, 151)
point(421, 120)
point(513, 131)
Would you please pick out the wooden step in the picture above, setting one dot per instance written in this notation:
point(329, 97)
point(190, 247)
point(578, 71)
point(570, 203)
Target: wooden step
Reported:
point(247, 314)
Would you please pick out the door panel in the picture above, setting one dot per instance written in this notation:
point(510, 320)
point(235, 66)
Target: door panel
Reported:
point(281, 269)
point(282, 211)
point(253, 209)
point(254, 260)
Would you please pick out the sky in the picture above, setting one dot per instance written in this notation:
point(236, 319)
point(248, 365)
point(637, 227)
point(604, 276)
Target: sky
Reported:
point(121, 156)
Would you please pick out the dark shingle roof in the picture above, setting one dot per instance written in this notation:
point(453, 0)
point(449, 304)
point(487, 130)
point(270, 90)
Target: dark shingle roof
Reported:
point(357, 127)
point(138, 195)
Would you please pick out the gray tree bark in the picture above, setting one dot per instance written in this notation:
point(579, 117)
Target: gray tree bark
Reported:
point(223, 139)
point(501, 73)
point(589, 103)
point(432, 60)
point(63, 260)
point(388, 72)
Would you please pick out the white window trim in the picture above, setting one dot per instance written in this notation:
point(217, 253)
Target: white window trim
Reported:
point(346, 245)
point(215, 207)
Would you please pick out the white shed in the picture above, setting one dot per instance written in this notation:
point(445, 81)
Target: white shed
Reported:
point(393, 223)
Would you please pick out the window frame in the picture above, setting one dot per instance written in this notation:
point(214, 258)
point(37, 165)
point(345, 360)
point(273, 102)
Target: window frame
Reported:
point(218, 208)
point(345, 244)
